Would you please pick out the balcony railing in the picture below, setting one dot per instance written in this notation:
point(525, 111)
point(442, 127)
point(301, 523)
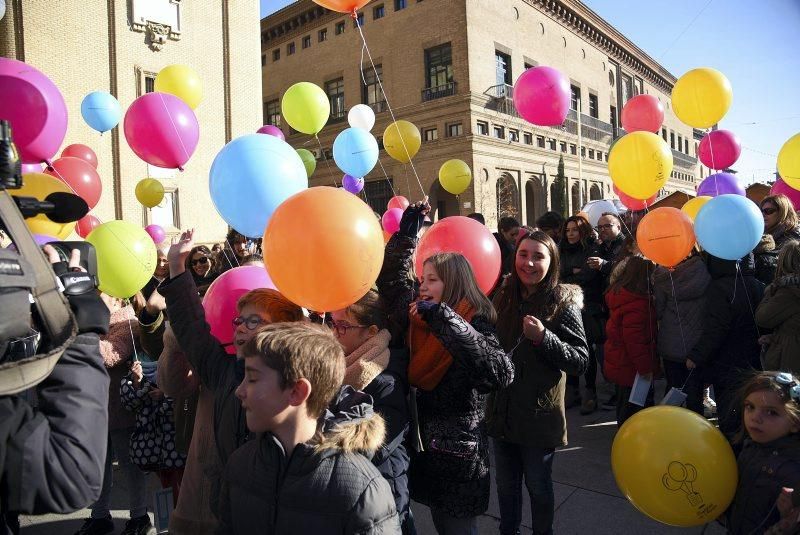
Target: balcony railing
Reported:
point(338, 115)
point(441, 91)
point(683, 160)
point(378, 107)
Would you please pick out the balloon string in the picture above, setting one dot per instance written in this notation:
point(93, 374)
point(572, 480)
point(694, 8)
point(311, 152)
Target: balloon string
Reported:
point(713, 162)
point(233, 254)
point(180, 139)
point(61, 178)
point(677, 313)
point(388, 181)
point(327, 163)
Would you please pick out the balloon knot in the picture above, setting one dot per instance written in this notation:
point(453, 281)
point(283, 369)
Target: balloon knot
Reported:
point(354, 14)
point(49, 164)
point(180, 169)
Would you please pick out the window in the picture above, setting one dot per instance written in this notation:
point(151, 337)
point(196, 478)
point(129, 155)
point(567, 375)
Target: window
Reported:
point(686, 145)
point(626, 87)
point(499, 132)
point(399, 4)
point(540, 141)
point(290, 49)
point(263, 59)
point(272, 112)
point(306, 41)
point(378, 193)
point(680, 142)
point(372, 95)
point(276, 54)
point(573, 149)
point(591, 154)
point(593, 107)
point(599, 156)
point(574, 97)
point(612, 114)
point(664, 133)
point(513, 135)
point(358, 21)
point(323, 35)
point(378, 12)
point(483, 128)
point(339, 28)
point(149, 83)
point(455, 129)
point(430, 134)
point(335, 91)
point(552, 143)
point(583, 152)
point(672, 139)
point(165, 214)
point(502, 68)
point(528, 138)
point(563, 146)
point(438, 66)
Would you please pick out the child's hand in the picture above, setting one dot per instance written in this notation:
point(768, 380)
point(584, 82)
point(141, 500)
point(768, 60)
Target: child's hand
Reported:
point(156, 303)
point(533, 329)
point(137, 373)
point(784, 503)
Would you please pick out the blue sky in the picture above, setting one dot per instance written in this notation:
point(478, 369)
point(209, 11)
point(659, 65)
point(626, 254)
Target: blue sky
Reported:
point(754, 43)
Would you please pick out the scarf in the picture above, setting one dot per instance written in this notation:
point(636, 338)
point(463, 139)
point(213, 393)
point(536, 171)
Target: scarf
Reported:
point(368, 361)
point(429, 359)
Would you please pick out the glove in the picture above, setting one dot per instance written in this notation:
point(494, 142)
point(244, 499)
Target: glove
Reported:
point(412, 219)
point(90, 312)
point(427, 309)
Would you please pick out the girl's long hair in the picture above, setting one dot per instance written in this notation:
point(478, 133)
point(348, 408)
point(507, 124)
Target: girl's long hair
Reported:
point(459, 283)
point(787, 216)
point(633, 274)
point(584, 229)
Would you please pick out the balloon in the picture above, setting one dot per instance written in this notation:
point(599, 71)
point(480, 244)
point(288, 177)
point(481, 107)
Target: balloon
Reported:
point(391, 220)
point(126, 257)
point(361, 116)
point(352, 184)
point(306, 107)
point(665, 236)
point(250, 177)
point(220, 300)
point(101, 110)
point(342, 6)
point(459, 234)
point(156, 233)
point(631, 203)
point(149, 192)
point(355, 151)
point(398, 201)
point(729, 226)
point(80, 176)
point(272, 130)
point(643, 112)
point(542, 96)
point(162, 130)
point(597, 209)
point(386, 237)
point(789, 162)
point(701, 97)
point(40, 240)
point(719, 149)
point(309, 161)
point(455, 176)
point(32, 168)
point(40, 186)
point(674, 466)
point(338, 232)
point(86, 225)
point(402, 141)
point(82, 152)
point(782, 187)
point(640, 164)
point(720, 184)
point(34, 107)
point(181, 81)
point(693, 206)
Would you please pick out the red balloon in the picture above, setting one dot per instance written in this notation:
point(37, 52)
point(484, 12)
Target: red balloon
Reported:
point(782, 187)
point(459, 234)
point(719, 149)
point(342, 6)
point(398, 201)
point(80, 176)
point(631, 203)
point(86, 225)
point(643, 112)
point(82, 152)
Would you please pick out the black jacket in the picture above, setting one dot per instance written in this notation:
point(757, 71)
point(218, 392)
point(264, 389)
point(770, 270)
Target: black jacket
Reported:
point(612, 252)
point(53, 458)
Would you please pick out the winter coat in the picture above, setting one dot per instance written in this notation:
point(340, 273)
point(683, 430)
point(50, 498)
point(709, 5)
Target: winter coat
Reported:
point(573, 256)
point(764, 469)
point(326, 486)
point(612, 252)
point(117, 348)
point(531, 410)
point(452, 471)
point(766, 259)
point(53, 458)
point(680, 328)
point(784, 235)
point(780, 310)
point(630, 346)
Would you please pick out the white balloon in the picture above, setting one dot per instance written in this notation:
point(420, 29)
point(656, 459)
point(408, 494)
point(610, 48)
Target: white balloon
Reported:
point(596, 209)
point(361, 116)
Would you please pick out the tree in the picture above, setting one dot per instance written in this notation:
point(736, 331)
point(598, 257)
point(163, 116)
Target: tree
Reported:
point(559, 191)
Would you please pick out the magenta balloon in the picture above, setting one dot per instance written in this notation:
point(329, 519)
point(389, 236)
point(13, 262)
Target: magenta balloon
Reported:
point(391, 220)
point(719, 149)
point(220, 299)
point(32, 168)
point(352, 184)
point(162, 130)
point(643, 113)
point(271, 130)
point(35, 108)
point(720, 184)
point(781, 187)
point(156, 233)
point(542, 95)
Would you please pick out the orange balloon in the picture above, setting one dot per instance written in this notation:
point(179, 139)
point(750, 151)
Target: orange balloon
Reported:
point(666, 236)
point(342, 6)
point(323, 248)
point(386, 237)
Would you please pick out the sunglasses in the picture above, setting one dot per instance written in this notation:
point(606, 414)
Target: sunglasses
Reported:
point(202, 260)
point(768, 211)
point(605, 227)
point(341, 327)
point(251, 322)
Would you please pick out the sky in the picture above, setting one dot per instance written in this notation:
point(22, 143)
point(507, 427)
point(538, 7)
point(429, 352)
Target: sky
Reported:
point(754, 43)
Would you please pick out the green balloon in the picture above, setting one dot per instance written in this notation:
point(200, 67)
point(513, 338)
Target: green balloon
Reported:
point(308, 160)
point(306, 107)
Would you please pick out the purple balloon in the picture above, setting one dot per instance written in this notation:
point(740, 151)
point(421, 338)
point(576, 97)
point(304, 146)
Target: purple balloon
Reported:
point(271, 130)
point(34, 106)
point(156, 233)
point(352, 184)
point(720, 184)
point(32, 168)
point(542, 96)
point(40, 239)
point(781, 187)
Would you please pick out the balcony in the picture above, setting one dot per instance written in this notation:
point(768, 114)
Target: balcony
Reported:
point(683, 160)
point(441, 91)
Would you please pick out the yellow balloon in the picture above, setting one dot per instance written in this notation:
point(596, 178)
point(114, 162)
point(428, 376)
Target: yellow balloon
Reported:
point(126, 257)
point(40, 186)
point(306, 107)
point(674, 466)
point(181, 81)
point(701, 97)
point(640, 163)
point(402, 141)
point(789, 161)
point(693, 206)
point(455, 176)
point(149, 192)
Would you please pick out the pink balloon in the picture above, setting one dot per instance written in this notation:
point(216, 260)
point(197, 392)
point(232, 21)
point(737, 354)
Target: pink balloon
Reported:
point(86, 225)
point(271, 130)
point(631, 203)
point(719, 149)
point(156, 233)
point(542, 96)
point(162, 130)
point(781, 187)
point(643, 113)
point(220, 300)
point(32, 168)
point(391, 220)
point(398, 201)
point(35, 108)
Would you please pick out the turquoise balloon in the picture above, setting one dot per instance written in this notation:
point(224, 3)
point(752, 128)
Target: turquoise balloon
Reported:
point(250, 177)
point(101, 110)
point(355, 151)
point(729, 226)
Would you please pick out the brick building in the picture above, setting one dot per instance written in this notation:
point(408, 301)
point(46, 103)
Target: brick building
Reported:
point(449, 67)
point(119, 46)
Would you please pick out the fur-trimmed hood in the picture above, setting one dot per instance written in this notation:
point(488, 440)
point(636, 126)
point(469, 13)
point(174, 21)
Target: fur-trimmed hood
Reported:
point(765, 245)
point(566, 295)
point(350, 424)
point(786, 281)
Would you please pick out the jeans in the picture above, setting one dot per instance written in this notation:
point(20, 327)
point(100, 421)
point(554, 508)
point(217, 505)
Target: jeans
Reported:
point(677, 374)
point(118, 444)
point(513, 461)
point(449, 525)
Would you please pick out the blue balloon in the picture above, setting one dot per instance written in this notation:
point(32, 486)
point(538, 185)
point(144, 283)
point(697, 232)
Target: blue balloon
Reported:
point(101, 110)
point(355, 151)
point(729, 226)
point(250, 177)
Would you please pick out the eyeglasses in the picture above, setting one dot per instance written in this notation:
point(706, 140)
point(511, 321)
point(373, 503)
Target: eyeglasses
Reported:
point(605, 227)
point(251, 322)
point(768, 211)
point(202, 260)
point(341, 327)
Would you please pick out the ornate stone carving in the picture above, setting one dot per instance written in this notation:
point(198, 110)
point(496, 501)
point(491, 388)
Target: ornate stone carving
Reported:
point(159, 20)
